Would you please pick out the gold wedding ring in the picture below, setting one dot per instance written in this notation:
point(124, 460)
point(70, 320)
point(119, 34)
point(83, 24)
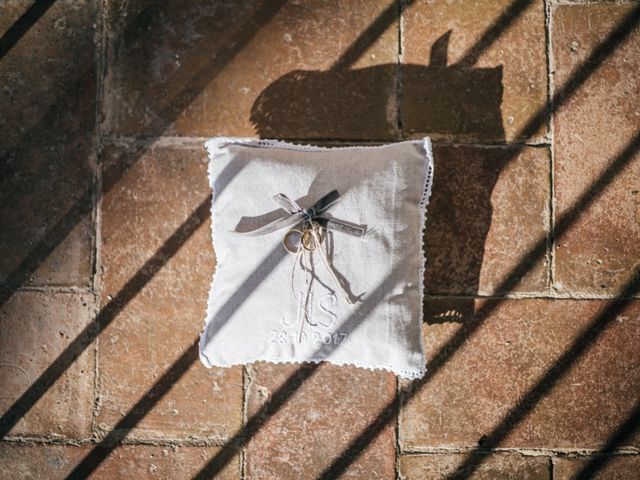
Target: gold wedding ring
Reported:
point(305, 238)
point(308, 240)
point(285, 239)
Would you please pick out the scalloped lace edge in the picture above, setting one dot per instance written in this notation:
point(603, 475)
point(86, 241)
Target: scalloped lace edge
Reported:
point(426, 196)
point(409, 374)
point(214, 146)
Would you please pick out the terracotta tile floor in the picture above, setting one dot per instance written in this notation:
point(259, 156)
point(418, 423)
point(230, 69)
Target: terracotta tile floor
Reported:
point(532, 315)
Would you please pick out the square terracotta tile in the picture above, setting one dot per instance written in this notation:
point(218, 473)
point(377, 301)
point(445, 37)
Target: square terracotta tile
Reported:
point(497, 466)
point(48, 77)
point(473, 72)
point(496, 374)
point(46, 211)
point(252, 67)
point(601, 249)
point(35, 328)
point(489, 209)
point(29, 460)
point(157, 263)
point(47, 116)
point(322, 410)
point(615, 467)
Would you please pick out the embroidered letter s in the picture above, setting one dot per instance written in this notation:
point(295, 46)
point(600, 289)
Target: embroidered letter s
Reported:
point(325, 310)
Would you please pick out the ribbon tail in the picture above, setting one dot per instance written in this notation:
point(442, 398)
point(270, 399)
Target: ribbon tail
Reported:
point(326, 201)
point(278, 224)
point(344, 227)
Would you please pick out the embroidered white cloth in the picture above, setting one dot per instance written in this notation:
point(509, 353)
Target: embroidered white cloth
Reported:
point(261, 308)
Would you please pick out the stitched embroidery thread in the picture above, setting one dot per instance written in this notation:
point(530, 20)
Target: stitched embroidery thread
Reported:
point(304, 241)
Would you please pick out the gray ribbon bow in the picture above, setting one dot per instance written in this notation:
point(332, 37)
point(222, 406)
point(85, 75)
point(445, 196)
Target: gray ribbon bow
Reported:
point(297, 214)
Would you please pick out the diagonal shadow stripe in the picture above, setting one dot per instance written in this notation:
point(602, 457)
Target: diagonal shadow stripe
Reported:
point(622, 434)
point(56, 234)
point(370, 35)
point(180, 101)
point(550, 379)
point(447, 351)
point(495, 31)
point(142, 277)
point(393, 11)
point(57, 368)
point(581, 74)
point(99, 453)
point(227, 452)
point(577, 78)
point(21, 26)
point(136, 413)
point(292, 384)
point(64, 226)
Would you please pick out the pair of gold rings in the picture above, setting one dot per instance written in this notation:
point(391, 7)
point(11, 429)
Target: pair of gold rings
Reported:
point(304, 237)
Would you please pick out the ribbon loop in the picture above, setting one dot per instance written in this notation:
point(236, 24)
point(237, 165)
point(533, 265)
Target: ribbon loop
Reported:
point(285, 202)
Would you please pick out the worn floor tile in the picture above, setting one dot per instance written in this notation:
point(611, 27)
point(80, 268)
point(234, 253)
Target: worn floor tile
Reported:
point(601, 250)
point(46, 213)
point(47, 111)
point(131, 461)
point(496, 466)
point(157, 262)
point(321, 411)
point(614, 468)
point(495, 375)
point(488, 210)
point(471, 72)
point(227, 68)
point(47, 79)
point(35, 328)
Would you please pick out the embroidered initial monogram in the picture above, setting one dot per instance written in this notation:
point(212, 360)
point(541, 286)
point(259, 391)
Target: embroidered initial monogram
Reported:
point(322, 318)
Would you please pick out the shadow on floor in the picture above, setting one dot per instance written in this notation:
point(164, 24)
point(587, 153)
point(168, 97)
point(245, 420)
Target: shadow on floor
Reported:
point(440, 100)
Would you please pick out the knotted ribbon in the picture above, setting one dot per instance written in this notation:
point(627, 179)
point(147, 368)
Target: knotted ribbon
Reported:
point(297, 214)
point(312, 224)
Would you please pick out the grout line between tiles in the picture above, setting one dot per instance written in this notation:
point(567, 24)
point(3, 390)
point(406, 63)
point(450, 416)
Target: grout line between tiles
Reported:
point(398, 449)
point(552, 195)
point(248, 378)
point(550, 253)
point(554, 295)
point(529, 296)
point(399, 82)
point(97, 195)
point(168, 442)
point(577, 453)
point(525, 451)
point(55, 289)
point(198, 142)
point(593, 2)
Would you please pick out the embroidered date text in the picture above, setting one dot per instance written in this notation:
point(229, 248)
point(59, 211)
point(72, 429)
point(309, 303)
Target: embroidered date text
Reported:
point(314, 337)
